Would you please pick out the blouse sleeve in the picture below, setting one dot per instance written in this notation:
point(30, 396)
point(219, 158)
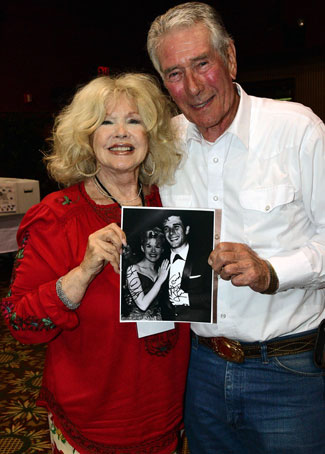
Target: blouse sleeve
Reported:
point(32, 309)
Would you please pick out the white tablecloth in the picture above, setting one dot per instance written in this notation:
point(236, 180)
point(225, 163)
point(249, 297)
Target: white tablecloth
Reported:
point(8, 230)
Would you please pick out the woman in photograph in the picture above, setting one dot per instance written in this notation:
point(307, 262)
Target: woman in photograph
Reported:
point(145, 278)
point(106, 389)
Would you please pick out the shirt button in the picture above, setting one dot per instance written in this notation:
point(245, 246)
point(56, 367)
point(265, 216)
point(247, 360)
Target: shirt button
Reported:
point(216, 237)
point(223, 315)
point(215, 198)
point(215, 160)
point(267, 208)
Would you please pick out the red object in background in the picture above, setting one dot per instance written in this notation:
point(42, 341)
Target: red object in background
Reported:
point(103, 70)
point(28, 97)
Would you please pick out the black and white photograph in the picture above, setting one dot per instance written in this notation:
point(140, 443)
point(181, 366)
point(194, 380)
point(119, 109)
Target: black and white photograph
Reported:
point(165, 275)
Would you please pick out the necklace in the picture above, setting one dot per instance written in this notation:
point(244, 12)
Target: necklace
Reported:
point(106, 193)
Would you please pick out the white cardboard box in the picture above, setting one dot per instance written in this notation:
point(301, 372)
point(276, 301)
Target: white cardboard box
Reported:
point(17, 195)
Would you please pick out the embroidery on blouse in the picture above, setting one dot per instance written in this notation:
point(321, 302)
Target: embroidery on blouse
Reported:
point(29, 323)
point(150, 447)
point(18, 323)
point(110, 213)
point(161, 344)
point(18, 258)
point(65, 200)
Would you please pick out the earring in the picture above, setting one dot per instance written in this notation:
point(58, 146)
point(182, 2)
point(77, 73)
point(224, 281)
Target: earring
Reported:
point(145, 171)
point(87, 175)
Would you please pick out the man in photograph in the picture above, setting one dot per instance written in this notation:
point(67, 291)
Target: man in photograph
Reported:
point(189, 280)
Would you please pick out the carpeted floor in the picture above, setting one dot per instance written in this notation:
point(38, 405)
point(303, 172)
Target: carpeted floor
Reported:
point(23, 425)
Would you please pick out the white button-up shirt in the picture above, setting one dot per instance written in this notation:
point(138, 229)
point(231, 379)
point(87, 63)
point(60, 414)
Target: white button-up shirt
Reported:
point(267, 175)
point(177, 296)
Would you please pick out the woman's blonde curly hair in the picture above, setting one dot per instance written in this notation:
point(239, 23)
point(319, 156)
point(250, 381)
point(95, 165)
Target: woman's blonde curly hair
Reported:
point(72, 158)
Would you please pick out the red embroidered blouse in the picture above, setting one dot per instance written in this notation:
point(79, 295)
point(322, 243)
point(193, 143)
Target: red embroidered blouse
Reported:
point(109, 391)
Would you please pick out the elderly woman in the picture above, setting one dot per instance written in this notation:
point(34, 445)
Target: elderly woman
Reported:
point(106, 389)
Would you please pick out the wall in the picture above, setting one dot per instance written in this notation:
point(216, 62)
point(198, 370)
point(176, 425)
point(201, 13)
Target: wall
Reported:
point(308, 82)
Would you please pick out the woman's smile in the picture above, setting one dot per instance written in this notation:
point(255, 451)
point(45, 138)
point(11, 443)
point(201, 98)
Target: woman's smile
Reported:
point(121, 142)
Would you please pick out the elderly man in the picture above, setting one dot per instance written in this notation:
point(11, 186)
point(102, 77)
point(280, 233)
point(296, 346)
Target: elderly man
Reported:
point(252, 383)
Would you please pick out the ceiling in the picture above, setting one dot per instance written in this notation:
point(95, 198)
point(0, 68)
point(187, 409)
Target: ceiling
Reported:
point(62, 43)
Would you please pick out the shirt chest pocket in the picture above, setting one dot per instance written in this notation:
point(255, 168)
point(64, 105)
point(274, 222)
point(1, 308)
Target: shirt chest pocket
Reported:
point(267, 214)
point(265, 200)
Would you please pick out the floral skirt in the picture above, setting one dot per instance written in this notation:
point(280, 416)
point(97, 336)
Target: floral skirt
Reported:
point(59, 444)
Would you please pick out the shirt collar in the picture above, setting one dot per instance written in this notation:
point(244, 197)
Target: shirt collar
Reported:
point(183, 253)
point(239, 127)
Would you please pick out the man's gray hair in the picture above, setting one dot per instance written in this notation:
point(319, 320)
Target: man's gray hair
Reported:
point(187, 15)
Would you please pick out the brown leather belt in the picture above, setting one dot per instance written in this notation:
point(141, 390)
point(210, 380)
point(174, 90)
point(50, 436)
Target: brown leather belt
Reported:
point(236, 352)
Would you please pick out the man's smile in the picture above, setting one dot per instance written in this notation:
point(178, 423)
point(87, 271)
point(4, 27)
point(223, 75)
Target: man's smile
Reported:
point(203, 104)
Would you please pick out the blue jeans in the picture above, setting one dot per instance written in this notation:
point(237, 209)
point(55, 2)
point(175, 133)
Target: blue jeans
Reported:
point(268, 405)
